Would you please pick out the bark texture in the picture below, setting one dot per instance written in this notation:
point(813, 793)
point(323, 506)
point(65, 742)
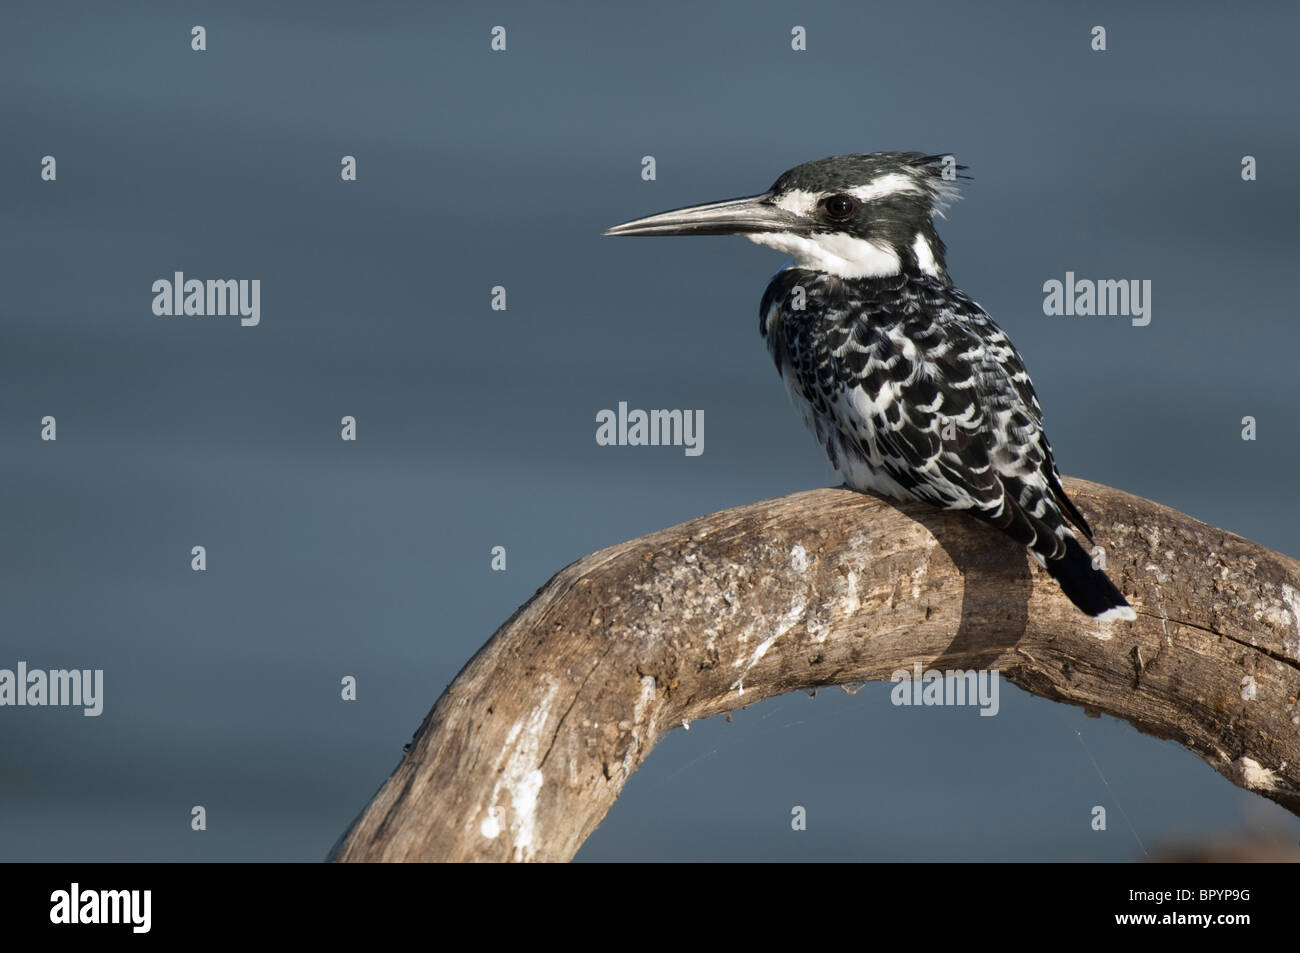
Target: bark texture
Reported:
point(527, 749)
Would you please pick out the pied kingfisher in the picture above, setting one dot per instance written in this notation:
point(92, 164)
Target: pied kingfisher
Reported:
point(911, 389)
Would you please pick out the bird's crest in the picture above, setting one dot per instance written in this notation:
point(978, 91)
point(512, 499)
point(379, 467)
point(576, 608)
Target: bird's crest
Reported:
point(932, 177)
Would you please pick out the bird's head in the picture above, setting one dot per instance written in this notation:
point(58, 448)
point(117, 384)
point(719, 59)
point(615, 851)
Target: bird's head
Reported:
point(853, 216)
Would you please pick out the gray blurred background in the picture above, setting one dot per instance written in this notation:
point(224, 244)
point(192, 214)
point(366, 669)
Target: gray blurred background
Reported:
point(476, 427)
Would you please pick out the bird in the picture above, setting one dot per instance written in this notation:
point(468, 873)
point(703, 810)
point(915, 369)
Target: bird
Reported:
point(908, 385)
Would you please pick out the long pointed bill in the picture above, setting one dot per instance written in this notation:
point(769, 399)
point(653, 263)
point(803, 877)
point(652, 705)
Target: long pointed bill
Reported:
point(745, 216)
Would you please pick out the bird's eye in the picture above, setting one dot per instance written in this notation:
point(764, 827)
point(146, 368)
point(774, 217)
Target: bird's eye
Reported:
point(840, 207)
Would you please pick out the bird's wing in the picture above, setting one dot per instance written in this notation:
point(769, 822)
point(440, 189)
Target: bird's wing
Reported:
point(1005, 385)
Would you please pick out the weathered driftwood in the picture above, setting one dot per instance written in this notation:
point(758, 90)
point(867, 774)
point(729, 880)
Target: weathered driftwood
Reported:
point(527, 749)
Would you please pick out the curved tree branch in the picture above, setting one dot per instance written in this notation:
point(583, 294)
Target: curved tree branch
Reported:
point(527, 749)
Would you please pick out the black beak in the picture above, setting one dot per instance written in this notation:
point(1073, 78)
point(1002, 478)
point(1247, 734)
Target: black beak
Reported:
point(745, 216)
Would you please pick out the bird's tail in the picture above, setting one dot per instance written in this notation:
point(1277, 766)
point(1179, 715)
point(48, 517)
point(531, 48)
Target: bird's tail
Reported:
point(1088, 588)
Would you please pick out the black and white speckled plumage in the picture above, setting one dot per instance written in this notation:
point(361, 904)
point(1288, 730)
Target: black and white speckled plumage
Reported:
point(883, 369)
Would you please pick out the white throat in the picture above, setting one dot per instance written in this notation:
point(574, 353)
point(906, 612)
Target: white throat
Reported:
point(840, 255)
